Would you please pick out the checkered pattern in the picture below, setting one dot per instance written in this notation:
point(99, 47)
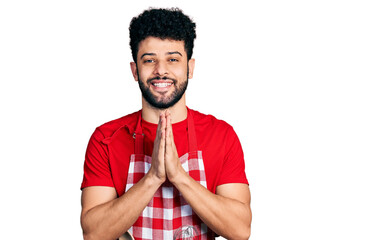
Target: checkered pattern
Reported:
point(168, 215)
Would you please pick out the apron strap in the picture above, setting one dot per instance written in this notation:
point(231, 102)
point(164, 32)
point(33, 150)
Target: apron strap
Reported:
point(139, 137)
point(192, 140)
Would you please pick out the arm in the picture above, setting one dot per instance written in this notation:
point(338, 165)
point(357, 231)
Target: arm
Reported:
point(227, 212)
point(106, 217)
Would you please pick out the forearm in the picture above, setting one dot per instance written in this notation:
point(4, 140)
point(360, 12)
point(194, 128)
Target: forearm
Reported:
point(111, 219)
point(227, 217)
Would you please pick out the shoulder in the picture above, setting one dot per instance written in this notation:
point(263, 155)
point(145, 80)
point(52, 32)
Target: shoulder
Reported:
point(208, 122)
point(108, 129)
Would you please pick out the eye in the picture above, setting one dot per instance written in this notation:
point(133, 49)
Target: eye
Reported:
point(148, 61)
point(173, 60)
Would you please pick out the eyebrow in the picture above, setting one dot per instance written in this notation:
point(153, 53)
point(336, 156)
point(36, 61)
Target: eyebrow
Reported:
point(176, 52)
point(148, 54)
point(153, 54)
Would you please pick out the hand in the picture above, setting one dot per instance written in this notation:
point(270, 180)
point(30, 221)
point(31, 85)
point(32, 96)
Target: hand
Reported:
point(157, 168)
point(172, 161)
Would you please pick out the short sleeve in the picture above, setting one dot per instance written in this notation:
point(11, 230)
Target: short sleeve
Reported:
point(97, 170)
point(233, 170)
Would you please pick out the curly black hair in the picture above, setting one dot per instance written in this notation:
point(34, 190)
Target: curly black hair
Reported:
point(164, 24)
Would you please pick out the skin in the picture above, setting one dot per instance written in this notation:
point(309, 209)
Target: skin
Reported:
point(228, 213)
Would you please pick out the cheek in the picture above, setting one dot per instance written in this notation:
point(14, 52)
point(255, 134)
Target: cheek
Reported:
point(144, 73)
point(181, 72)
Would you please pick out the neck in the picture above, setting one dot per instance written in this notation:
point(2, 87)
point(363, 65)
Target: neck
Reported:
point(151, 114)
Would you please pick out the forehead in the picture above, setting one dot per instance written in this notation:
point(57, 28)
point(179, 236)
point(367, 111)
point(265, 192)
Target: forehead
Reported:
point(159, 46)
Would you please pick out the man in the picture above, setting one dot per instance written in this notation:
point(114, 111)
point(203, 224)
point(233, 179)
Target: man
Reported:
point(165, 172)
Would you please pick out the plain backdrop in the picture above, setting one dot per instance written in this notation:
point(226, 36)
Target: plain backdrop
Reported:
point(296, 80)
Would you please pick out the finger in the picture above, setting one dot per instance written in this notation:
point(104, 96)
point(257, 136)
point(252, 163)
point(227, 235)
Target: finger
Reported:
point(168, 128)
point(159, 128)
point(163, 127)
point(162, 131)
point(171, 132)
point(159, 142)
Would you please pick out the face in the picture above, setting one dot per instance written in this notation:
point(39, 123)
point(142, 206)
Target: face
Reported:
point(162, 71)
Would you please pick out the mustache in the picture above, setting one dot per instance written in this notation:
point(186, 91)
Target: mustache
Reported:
point(161, 78)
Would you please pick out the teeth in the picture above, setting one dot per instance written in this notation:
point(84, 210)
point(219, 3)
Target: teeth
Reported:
point(162, 84)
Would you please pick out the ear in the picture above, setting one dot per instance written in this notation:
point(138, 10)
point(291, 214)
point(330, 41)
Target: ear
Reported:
point(191, 67)
point(134, 71)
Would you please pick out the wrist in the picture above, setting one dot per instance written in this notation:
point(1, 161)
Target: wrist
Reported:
point(178, 177)
point(154, 179)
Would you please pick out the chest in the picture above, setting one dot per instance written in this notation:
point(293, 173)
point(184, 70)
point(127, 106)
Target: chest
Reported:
point(121, 150)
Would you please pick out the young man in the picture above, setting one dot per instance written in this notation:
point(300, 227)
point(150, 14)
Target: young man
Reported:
point(165, 172)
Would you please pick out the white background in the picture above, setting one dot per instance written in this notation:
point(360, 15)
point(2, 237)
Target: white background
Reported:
point(296, 80)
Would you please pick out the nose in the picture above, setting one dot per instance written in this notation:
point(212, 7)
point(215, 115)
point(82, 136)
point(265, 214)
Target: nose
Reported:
point(161, 69)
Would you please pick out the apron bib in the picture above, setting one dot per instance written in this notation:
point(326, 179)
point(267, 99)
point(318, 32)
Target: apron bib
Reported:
point(168, 215)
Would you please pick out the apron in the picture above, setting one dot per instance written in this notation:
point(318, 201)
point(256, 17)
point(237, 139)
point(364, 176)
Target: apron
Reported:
point(168, 215)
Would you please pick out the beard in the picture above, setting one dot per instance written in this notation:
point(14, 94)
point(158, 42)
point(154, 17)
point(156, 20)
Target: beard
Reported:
point(165, 101)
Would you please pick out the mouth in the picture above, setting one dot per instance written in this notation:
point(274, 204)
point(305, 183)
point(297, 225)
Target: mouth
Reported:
point(160, 85)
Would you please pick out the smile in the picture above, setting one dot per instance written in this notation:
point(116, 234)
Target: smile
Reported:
point(161, 84)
